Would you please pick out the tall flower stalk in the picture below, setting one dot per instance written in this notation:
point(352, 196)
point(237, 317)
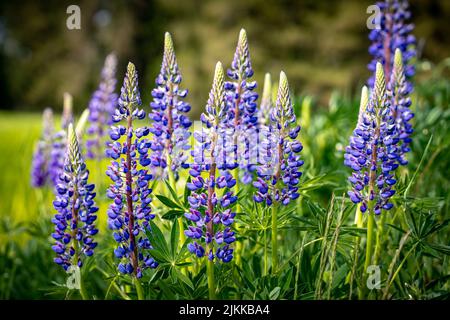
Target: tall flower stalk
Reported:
point(74, 222)
point(279, 172)
point(242, 113)
point(398, 92)
point(210, 214)
point(101, 108)
point(40, 175)
point(170, 128)
point(130, 212)
point(373, 156)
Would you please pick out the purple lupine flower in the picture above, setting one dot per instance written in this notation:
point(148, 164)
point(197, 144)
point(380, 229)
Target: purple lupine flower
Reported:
point(242, 115)
point(101, 108)
point(60, 141)
point(373, 151)
point(398, 92)
point(211, 215)
point(74, 222)
point(170, 124)
point(279, 172)
point(130, 212)
point(41, 156)
point(394, 32)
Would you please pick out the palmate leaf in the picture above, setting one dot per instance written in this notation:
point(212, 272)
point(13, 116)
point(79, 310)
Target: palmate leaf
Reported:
point(160, 249)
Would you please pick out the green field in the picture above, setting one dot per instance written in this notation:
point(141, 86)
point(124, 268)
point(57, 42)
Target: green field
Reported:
point(318, 237)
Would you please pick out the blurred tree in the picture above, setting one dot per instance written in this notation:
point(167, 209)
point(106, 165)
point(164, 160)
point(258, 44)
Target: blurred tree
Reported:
point(322, 45)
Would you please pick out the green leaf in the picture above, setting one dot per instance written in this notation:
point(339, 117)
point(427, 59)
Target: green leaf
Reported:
point(177, 274)
point(172, 214)
point(172, 192)
point(158, 241)
point(187, 193)
point(174, 237)
point(275, 293)
point(167, 202)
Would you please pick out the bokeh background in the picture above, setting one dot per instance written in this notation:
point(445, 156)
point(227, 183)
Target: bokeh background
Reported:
point(322, 45)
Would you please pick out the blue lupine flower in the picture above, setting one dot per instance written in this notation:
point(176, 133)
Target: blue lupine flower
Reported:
point(398, 92)
point(373, 150)
point(74, 222)
point(130, 212)
point(242, 115)
point(42, 152)
point(60, 141)
point(170, 124)
point(211, 215)
point(279, 172)
point(394, 32)
point(101, 108)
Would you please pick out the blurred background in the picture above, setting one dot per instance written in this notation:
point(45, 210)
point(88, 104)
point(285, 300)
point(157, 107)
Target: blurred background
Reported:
point(322, 45)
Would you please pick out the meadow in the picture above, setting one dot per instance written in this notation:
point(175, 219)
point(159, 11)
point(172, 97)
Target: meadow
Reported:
point(320, 247)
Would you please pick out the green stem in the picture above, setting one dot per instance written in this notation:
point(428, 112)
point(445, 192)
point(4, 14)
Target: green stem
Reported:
point(83, 292)
point(211, 280)
point(274, 238)
point(239, 244)
point(369, 242)
point(369, 248)
point(139, 289)
point(265, 252)
point(379, 240)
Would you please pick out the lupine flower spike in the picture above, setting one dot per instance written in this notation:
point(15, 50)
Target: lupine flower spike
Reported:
point(394, 33)
point(373, 156)
point(130, 212)
point(242, 112)
point(170, 140)
point(399, 91)
point(60, 141)
point(74, 222)
point(42, 152)
point(279, 173)
point(101, 108)
point(211, 215)
point(372, 152)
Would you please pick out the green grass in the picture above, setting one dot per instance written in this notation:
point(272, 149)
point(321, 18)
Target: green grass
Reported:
point(321, 250)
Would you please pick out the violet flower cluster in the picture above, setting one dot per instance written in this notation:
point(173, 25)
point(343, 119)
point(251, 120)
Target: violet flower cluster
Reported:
point(211, 214)
point(373, 151)
point(40, 167)
point(101, 108)
point(398, 92)
point(170, 128)
point(394, 32)
point(242, 115)
point(279, 170)
point(74, 222)
point(130, 212)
